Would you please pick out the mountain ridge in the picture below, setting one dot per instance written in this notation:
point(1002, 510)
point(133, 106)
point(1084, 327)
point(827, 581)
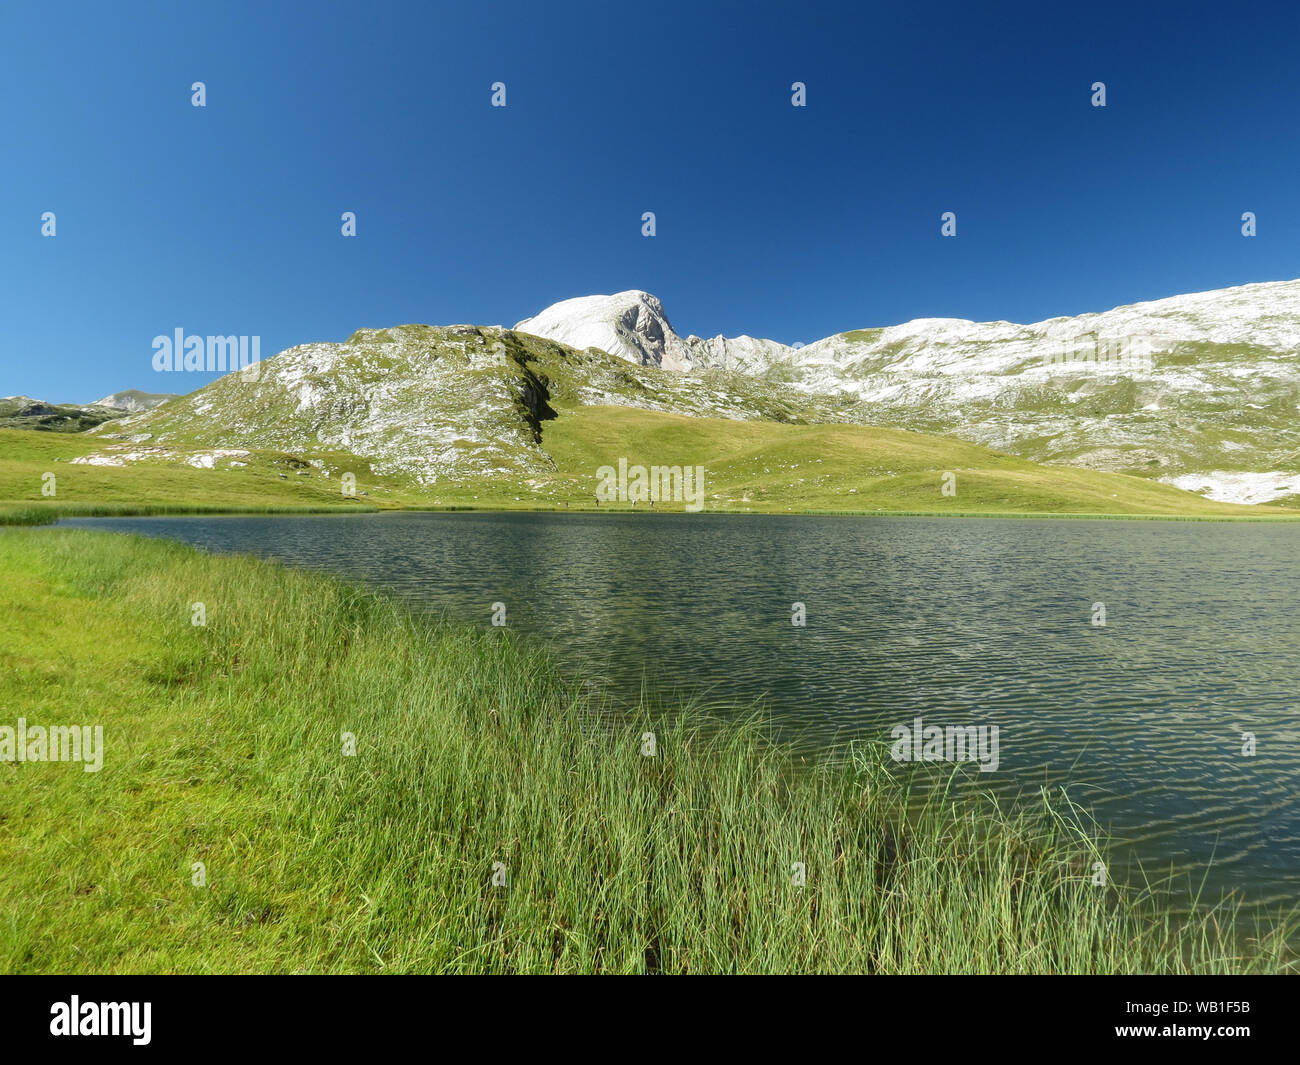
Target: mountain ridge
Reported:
point(1080, 391)
point(1198, 391)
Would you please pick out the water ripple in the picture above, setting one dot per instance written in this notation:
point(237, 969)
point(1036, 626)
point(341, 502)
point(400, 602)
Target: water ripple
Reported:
point(956, 621)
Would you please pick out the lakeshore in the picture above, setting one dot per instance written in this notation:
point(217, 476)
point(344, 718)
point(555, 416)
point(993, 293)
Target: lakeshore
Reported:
point(482, 824)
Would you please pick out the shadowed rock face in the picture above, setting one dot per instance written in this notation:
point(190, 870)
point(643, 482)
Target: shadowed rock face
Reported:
point(417, 401)
point(429, 404)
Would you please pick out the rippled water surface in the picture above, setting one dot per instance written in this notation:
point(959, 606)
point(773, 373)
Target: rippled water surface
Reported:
point(983, 622)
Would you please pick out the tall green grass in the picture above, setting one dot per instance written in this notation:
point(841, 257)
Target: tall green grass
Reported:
point(224, 746)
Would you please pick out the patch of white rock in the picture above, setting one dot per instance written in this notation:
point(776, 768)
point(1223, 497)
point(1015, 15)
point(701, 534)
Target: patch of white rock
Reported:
point(632, 325)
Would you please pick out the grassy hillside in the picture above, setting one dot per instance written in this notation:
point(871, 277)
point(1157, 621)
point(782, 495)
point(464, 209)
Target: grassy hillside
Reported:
point(757, 466)
point(223, 745)
point(765, 466)
point(26, 456)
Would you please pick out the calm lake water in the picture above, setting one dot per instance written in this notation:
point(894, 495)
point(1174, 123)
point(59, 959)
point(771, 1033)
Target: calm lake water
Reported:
point(960, 621)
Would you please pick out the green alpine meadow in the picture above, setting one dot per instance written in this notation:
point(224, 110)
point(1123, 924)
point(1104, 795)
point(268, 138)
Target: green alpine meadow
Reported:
point(218, 764)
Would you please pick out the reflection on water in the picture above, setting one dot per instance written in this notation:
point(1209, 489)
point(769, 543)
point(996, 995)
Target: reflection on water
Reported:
point(958, 621)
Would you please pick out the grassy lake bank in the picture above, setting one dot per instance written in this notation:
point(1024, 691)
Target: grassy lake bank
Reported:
point(494, 817)
point(27, 514)
point(750, 468)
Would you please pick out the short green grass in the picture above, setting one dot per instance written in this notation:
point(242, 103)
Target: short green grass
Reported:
point(224, 746)
point(750, 466)
point(26, 456)
point(766, 466)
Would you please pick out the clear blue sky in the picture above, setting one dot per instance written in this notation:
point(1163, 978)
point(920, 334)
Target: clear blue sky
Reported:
point(773, 221)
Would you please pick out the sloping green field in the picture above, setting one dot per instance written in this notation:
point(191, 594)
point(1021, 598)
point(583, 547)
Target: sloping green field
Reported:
point(767, 466)
point(26, 456)
point(757, 466)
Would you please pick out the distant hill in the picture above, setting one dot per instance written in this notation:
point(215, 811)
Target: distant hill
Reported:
point(133, 400)
point(23, 412)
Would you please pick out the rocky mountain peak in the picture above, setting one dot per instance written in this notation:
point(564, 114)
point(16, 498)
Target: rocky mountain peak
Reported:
point(631, 325)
